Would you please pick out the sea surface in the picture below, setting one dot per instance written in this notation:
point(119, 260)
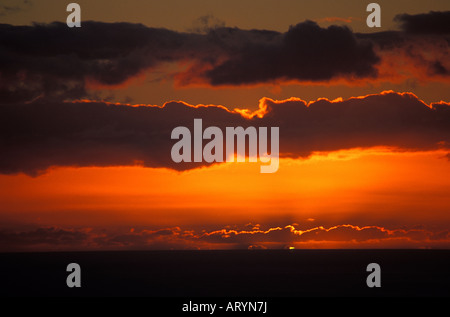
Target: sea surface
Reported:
point(230, 274)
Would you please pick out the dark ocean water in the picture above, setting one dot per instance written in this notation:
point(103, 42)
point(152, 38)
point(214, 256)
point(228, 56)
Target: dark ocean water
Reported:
point(238, 273)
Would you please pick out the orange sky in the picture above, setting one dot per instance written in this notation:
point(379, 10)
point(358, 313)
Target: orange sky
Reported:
point(355, 198)
point(357, 187)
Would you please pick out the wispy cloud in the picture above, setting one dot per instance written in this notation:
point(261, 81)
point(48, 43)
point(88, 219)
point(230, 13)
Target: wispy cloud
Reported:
point(11, 7)
point(344, 235)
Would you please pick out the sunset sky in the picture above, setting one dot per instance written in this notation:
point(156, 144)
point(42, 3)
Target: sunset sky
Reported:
point(86, 116)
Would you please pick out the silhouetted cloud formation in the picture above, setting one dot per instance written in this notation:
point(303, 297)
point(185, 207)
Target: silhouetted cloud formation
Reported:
point(52, 60)
point(420, 51)
point(425, 23)
point(36, 136)
point(61, 63)
point(55, 61)
point(305, 52)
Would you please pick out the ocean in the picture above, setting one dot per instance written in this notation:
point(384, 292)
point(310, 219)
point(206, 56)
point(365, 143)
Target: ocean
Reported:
point(231, 273)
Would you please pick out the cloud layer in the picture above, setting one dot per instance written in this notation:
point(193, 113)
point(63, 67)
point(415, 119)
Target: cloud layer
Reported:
point(57, 62)
point(248, 237)
point(37, 136)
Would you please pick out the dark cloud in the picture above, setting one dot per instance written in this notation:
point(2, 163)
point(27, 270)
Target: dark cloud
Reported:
point(61, 63)
point(390, 119)
point(420, 50)
point(43, 134)
point(425, 23)
point(55, 61)
point(37, 136)
point(305, 52)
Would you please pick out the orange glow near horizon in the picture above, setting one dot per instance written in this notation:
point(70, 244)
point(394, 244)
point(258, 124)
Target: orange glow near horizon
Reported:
point(357, 198)
point(361, 187)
